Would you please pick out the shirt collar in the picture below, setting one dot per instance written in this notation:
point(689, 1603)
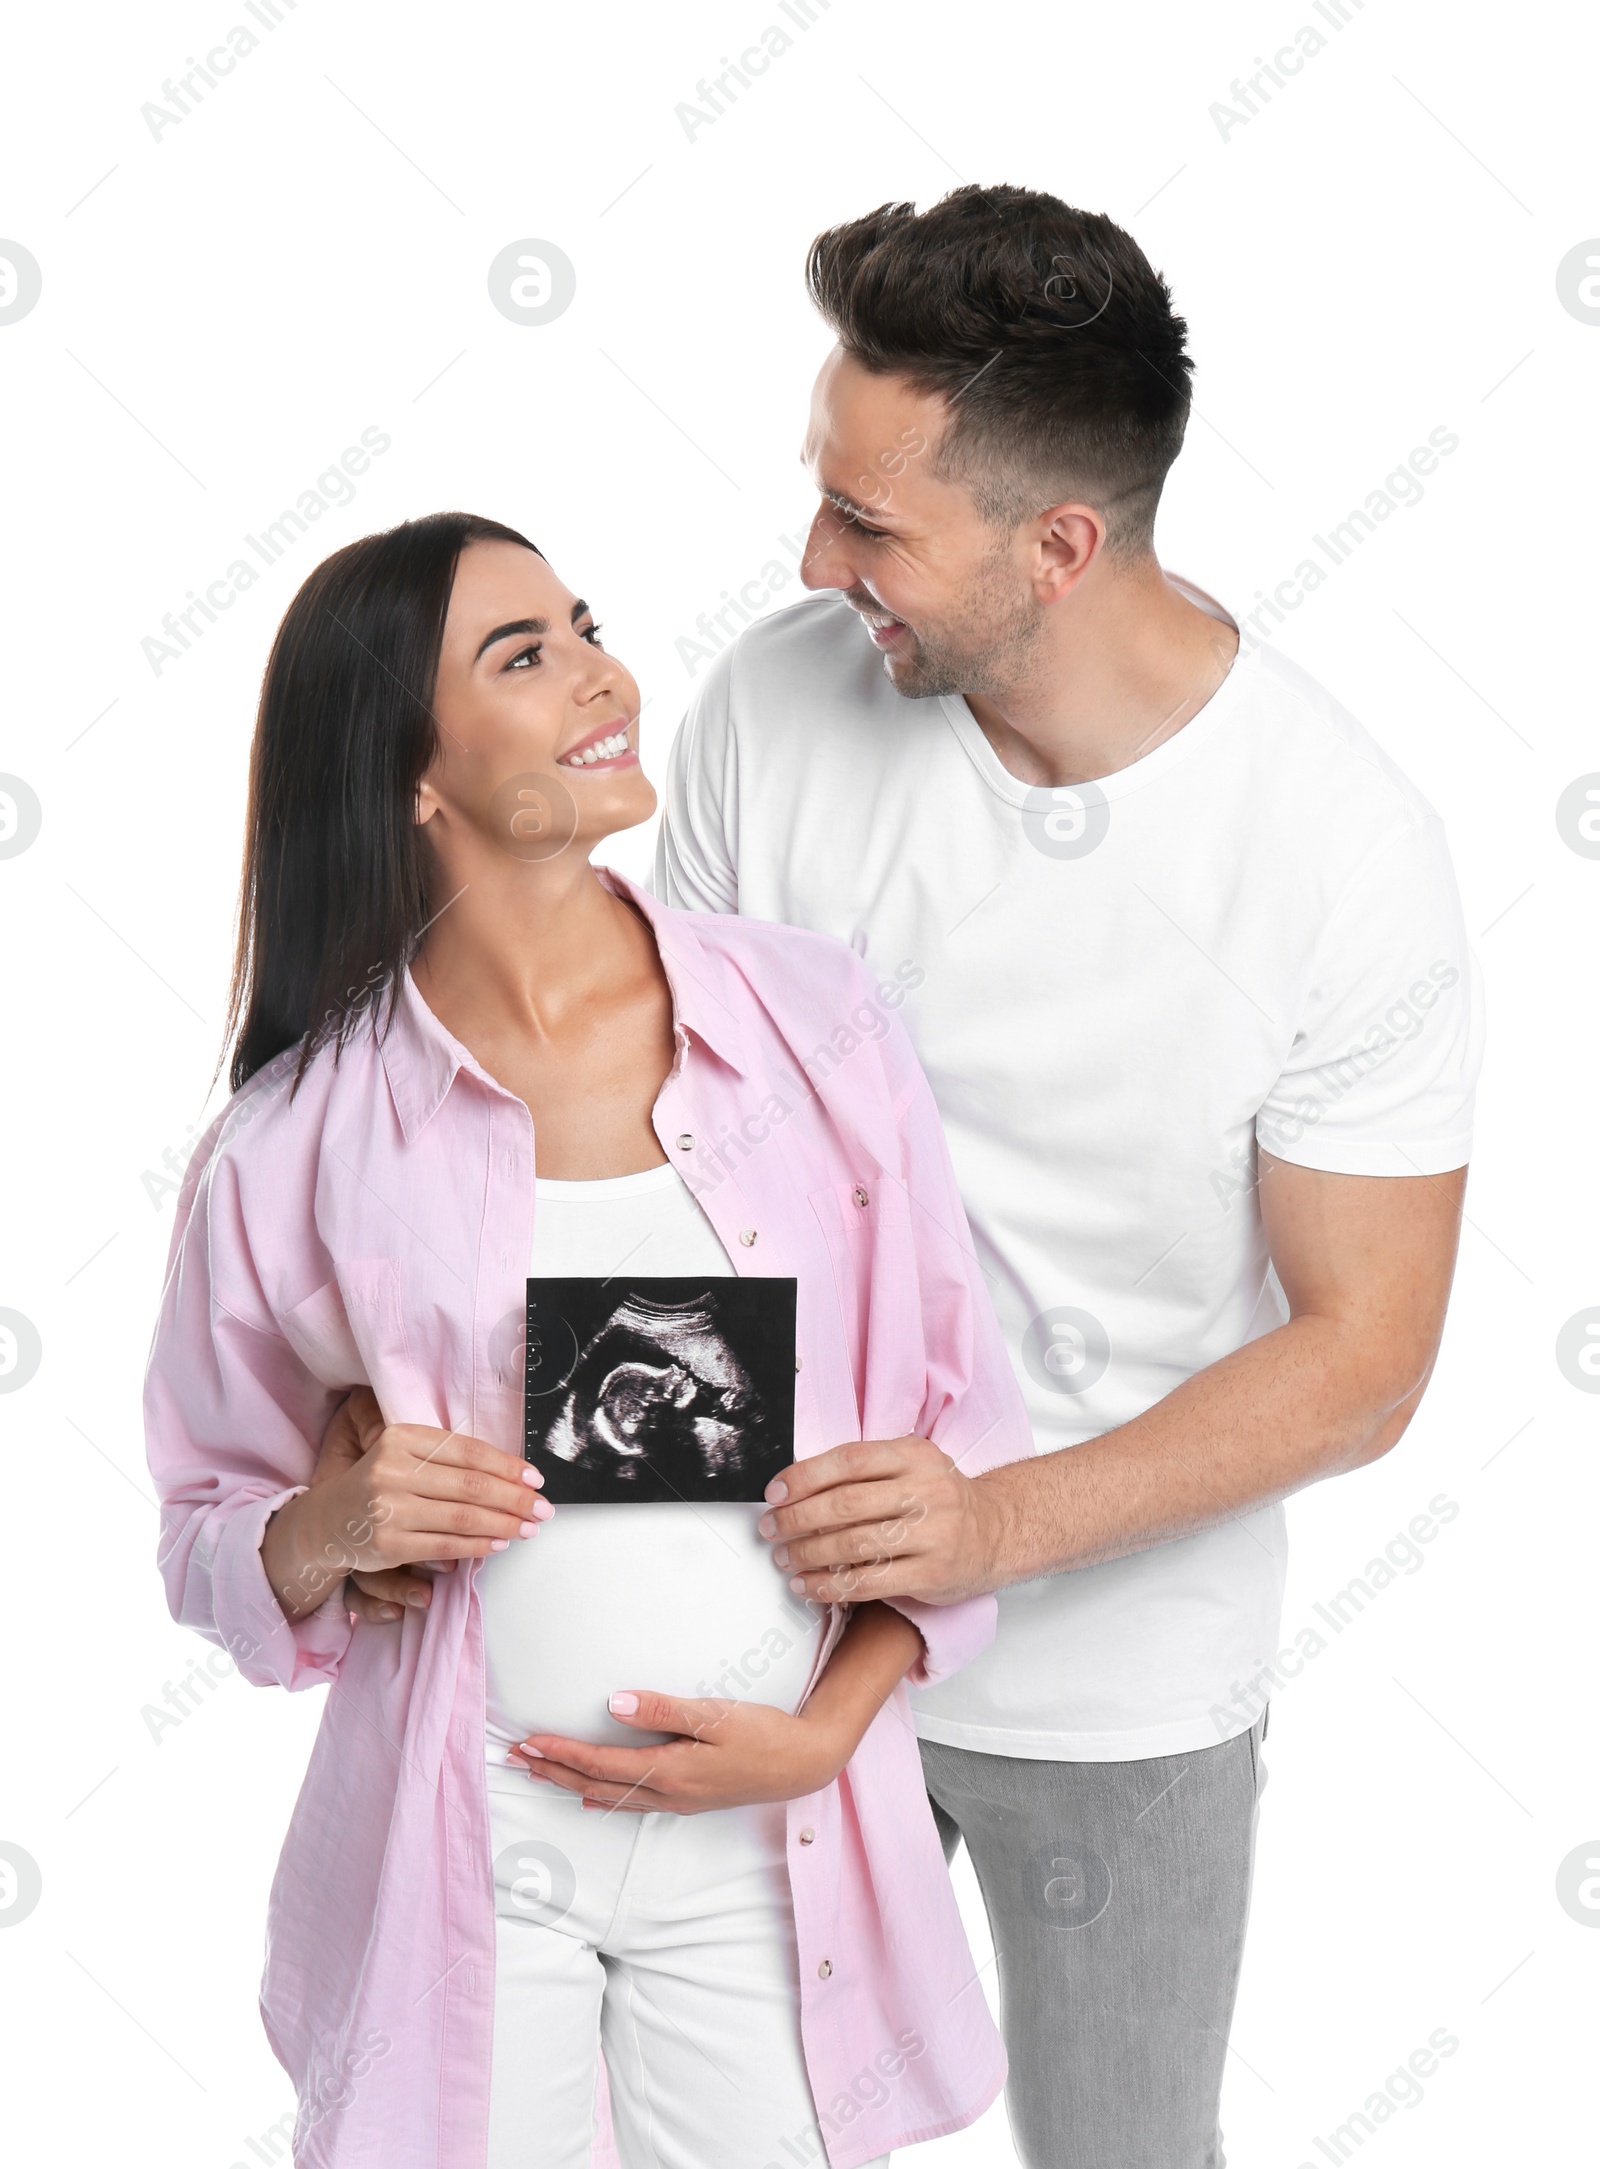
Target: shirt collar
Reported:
point(421, 1059)
point(704, 988)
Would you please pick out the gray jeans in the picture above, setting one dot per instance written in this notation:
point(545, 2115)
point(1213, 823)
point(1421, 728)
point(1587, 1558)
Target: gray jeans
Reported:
point(1117, 1895)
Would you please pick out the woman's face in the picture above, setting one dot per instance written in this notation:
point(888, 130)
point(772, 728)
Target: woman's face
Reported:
point(538, 726)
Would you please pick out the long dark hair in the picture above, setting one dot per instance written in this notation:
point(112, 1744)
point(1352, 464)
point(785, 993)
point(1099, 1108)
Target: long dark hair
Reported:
point(334, 891)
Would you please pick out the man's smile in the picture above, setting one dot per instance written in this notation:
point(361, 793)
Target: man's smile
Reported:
point(883, 627)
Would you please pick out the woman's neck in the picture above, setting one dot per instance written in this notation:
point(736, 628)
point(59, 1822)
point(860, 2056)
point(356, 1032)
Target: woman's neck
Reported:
point(522, 948)
point(556, 989)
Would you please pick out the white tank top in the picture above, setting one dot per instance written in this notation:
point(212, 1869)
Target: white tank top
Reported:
point(684, 1599)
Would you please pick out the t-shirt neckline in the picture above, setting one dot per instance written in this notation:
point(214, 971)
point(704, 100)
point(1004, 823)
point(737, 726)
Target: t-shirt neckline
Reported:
point(1150, 766)
point(642, 1180)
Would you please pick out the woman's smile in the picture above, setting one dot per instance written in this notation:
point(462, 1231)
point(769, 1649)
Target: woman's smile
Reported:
point(606, 746)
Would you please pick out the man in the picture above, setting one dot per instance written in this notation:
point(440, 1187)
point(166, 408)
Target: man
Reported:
point(1181, 953)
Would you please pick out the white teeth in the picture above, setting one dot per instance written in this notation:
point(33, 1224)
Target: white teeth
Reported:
point(604, 749)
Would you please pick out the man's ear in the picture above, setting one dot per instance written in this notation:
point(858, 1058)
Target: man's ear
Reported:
point(1068, 539)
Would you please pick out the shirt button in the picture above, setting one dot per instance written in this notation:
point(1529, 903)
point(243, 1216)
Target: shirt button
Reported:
point(799, 1363)
point(686, 1142)
point(808, 1837)
point(747, 1236)
point(825, 1969)
point(861, 1195)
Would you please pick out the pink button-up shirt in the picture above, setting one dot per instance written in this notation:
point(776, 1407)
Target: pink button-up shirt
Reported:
point(375, 1226)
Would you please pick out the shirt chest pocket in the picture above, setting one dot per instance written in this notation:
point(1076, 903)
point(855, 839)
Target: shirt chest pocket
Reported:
point(867, 1229)
point(351, 1331)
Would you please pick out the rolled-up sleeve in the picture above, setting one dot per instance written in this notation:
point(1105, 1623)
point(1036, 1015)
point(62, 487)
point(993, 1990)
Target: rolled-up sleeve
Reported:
point(232, 1417)
point(952, 1635)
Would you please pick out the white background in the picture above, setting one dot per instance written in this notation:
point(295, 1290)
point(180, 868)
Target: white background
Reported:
point(1369, 257)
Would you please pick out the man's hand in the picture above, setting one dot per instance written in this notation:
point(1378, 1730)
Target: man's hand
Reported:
point(1365, 1262)
point(382, 1593)
point(885, 1518)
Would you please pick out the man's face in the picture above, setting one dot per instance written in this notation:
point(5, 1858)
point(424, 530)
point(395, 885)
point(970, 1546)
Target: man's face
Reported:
point(944, 596)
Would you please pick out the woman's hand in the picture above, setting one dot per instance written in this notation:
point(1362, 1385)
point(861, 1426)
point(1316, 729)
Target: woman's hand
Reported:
point(395, 1494)
point(728, 1754)
point(383, 1593)
point(732, 1754)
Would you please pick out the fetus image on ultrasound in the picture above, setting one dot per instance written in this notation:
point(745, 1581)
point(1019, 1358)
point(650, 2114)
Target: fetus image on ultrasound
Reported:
point(658, 1389)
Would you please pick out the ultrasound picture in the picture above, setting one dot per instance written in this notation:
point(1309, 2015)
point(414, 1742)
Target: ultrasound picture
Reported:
point(658, 1389)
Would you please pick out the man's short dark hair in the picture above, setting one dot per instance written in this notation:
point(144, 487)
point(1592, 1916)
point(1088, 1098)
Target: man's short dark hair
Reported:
point(1044, 329)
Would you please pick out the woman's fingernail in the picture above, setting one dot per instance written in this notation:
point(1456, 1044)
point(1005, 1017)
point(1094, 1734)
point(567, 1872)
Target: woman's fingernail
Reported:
point(390, 1611)
point(525, 1749)
point(542, 1510)
point(623, 1705)
point(418, 1597)
point(531, 1476)
point(501, 1543)
point(768, 1525)
point(777, 1491)
point(781, 1554)
point(526, 1528)
point(798, 1585)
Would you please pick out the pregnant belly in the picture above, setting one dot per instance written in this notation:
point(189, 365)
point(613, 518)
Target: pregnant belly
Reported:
point(683, 1599)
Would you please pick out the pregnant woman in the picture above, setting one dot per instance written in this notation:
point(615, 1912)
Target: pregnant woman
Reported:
point(464, 1060)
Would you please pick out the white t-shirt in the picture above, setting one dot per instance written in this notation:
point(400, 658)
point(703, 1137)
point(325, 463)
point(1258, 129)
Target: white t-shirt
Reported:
point(683, 1599)
point(1252, 933)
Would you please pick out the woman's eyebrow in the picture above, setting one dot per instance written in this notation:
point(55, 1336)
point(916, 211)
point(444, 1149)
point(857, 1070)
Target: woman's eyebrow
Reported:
point(580, 609)
point(504, 632)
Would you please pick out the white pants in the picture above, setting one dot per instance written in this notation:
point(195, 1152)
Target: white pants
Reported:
point(667, 1941)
